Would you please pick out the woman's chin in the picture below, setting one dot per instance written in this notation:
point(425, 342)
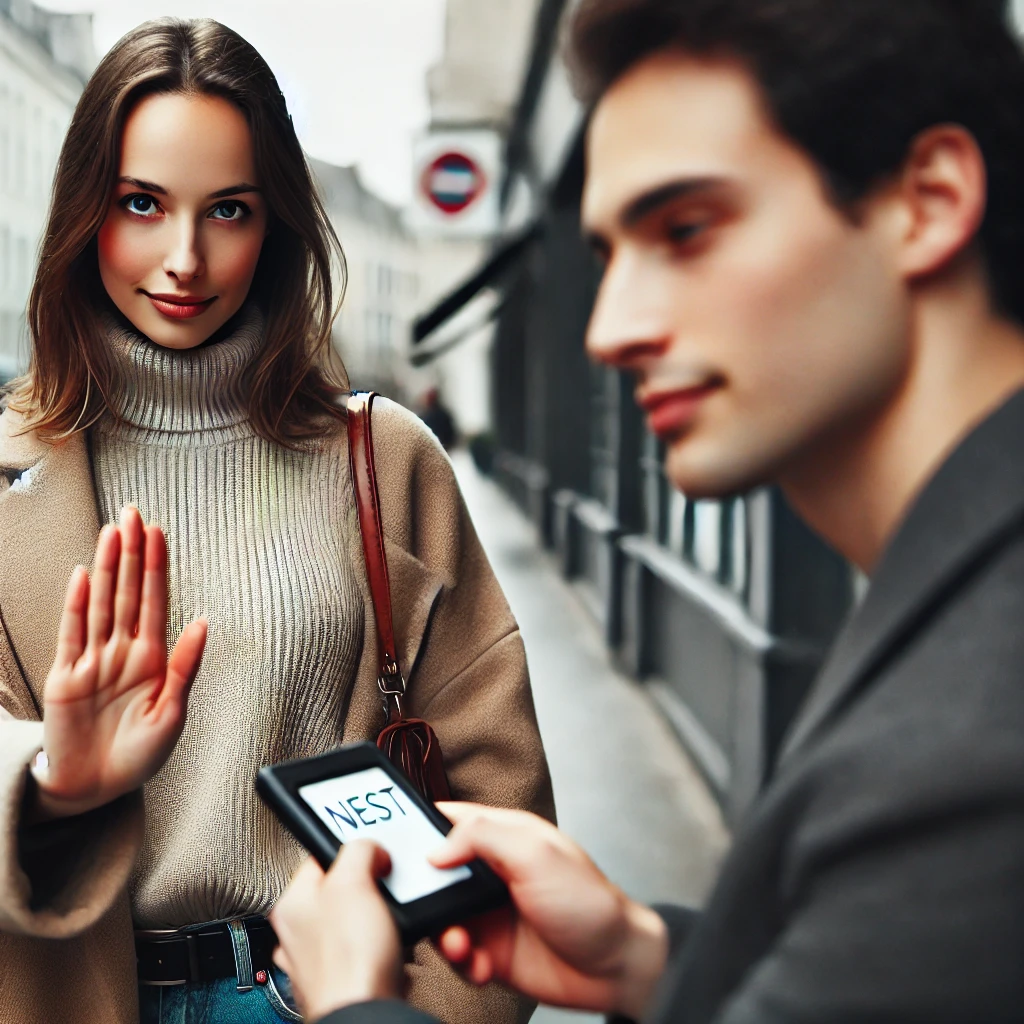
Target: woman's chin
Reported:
point(179, 335)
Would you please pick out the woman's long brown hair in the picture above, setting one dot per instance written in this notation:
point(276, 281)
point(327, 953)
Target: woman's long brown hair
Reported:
point(71, 376)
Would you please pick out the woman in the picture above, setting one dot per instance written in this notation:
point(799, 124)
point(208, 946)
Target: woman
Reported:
point(180, 313)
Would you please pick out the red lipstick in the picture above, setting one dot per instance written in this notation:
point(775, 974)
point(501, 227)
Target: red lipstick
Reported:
point(180, 307)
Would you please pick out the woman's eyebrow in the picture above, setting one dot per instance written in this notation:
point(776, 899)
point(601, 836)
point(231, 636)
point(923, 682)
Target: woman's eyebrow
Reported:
point(221, 193)
point(234, 190)
point(146, 186)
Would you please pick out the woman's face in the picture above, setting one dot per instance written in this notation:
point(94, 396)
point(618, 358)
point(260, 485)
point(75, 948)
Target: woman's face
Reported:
point(182, 237)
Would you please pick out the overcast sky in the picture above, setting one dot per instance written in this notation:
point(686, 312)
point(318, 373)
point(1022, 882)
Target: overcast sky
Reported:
point(353, 71)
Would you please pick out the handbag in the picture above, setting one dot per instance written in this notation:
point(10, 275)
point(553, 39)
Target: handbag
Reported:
point(409, 743)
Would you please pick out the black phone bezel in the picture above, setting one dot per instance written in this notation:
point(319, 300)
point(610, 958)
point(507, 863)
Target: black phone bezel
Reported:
point(278, 785)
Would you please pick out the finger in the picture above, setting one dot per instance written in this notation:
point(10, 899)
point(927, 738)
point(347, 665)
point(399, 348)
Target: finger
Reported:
point(481, 967)
point(305, 883)
point(182, 668)
point(309, 877)
point(509, 841)
point(458, 810)
point(456, 945)
point(303, 889)
point(361, 862)
point(129, 572)
point(153, 610)
point(101, 589)
point(280, 957)
point(71, 637)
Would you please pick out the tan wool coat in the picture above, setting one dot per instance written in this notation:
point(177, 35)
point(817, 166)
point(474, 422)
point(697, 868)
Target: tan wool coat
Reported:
point(66, 950)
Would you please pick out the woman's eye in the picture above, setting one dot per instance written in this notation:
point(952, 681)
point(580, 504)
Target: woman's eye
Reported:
point(230, 210)
point(141, 206)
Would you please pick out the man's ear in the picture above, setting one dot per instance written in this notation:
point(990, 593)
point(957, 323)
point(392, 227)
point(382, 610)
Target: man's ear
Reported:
point(943, 188)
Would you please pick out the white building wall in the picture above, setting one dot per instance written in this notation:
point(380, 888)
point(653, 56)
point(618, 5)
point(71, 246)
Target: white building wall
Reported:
point(486, 47)
point(372, 330)
point(37, 99)
point(476, 84)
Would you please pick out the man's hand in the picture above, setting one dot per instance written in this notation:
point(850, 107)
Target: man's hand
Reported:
point(571, 938)
point(114, 702)
point(338, 942)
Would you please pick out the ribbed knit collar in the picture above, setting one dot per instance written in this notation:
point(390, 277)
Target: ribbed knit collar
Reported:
point(201, 389)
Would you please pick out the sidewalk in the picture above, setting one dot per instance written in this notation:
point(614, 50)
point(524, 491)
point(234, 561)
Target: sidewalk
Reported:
point(624, 788)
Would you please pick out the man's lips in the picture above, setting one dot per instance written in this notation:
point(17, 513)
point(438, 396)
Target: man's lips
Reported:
point(669, 412)
point(180, 307)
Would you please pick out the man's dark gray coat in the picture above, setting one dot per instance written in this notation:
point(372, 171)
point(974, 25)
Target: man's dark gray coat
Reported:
point(880, 877)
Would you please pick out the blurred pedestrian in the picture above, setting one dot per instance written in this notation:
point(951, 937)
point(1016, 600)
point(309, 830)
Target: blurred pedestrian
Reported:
point(437, 417)
point(180, 311)
point(812, 221)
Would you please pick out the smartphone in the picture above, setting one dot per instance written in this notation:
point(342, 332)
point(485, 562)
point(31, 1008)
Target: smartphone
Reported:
point(355, 792)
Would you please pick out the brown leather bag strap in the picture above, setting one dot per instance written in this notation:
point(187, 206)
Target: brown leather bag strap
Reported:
point(364, 481)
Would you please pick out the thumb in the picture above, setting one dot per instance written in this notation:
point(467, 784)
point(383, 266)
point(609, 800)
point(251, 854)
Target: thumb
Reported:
point(512, 843)
point(362, 861)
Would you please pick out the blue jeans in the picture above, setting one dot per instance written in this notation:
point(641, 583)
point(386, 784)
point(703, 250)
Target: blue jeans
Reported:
point(217, 1002)
point(220, 1002)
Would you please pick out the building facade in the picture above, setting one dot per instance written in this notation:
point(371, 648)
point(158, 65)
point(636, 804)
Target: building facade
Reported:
point(45, 60)
point(383, 282)
point(475, 87)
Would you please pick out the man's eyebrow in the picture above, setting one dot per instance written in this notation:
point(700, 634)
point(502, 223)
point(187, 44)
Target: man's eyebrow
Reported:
point(146, 186)
point(649, 202)
point(234, 190)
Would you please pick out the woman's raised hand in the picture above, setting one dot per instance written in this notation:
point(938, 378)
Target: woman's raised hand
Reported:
point(114, 702)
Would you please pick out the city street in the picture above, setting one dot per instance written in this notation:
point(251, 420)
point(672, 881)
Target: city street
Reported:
point(624, 788)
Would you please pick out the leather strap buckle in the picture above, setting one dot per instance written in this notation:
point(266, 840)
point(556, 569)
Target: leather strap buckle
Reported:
point(392, 687)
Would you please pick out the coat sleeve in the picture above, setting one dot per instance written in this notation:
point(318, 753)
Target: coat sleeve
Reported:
point(900, 933)
point(903, 887)
point(468, 677)
point(58, 878)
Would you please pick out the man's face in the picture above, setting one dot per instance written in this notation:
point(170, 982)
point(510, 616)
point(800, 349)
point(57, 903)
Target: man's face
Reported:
point(759, 321)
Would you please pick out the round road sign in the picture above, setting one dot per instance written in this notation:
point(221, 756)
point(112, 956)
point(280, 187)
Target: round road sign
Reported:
point(453, 182)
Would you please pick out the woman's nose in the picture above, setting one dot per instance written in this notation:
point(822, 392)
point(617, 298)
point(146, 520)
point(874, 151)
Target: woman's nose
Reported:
point(184, 260)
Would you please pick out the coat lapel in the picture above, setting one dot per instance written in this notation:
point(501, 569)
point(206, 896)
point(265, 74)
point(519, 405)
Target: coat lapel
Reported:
point(973, 503)
point(48, 525)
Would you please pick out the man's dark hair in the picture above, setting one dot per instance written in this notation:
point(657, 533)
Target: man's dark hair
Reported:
point(852, 82)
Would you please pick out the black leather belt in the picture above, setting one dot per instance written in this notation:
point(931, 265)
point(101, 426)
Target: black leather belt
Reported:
point(204, 954)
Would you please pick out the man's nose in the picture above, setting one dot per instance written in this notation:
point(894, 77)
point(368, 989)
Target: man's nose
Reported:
point(625, 326)
point(184, 259)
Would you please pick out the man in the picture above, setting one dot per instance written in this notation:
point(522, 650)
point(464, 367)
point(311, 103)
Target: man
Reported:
point(811, 214)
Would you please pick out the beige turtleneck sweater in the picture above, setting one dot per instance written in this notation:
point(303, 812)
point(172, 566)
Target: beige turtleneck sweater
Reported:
point(257, 544)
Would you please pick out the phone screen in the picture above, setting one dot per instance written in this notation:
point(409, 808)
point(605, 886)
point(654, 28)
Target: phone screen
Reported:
point(370, 805)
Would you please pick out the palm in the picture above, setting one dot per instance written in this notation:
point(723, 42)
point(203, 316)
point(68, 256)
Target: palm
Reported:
point(114, 702)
